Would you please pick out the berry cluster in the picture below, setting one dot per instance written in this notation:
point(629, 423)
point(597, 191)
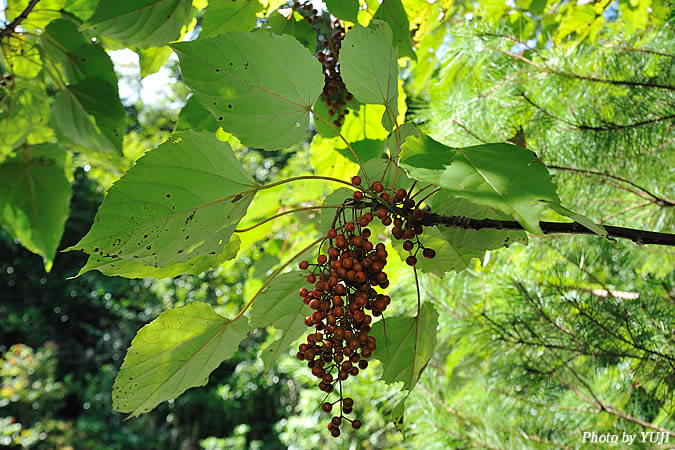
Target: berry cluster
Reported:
point(344, 281)
point(343, 294)
point(335, 93)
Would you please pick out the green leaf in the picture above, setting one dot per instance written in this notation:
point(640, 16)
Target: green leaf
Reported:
point(344, 9)
point(140, 23)
point(365, 149)
point(393, 12)
point(181, 200)
point(369, 67)
point(82, 9)
point(295, 26)
point(247, 82)
point(279, 305)
point(195, 117)
point(79, 57)
point(405, 345)
point(583, 220)
point(173, 353)
point(152, 59)
point(501, 176)
point(135, 269)
point(35, 199)
point(446, 204)
point(449, 255)
point(23, 113)
point(223, 16)
point(20, 56)
point(90, 114)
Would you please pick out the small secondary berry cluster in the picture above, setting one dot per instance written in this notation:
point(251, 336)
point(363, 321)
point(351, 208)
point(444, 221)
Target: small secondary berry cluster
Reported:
point(343, 294)
point(334, 93)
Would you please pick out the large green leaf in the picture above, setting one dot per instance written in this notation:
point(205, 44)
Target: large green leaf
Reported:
point(502, 176)
point(260, 86)
point(135, 269)
point(91, 115)
point(393, 12)
point(344, 9)
point(369, 68)
point(279, 305)
point(222, 16)
point(181, 200)
point(405, 345)
point(140, 23)
point(447, 204)
point(173, 353)
point(80, 58)
point(35, 198)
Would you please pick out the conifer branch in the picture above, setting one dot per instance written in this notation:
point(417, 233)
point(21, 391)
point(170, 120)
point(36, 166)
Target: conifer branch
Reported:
point(9, 29)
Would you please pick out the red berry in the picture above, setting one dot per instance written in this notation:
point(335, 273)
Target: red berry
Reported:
point(356, 424)
point(407, 245)
point(303, 265)
point(378, 187)
point(418, 214)
point(348, 402)
point(331, 233)
point(411, 260)
point(381, 213)
point(321, 259)
point(326, 407)
point(358, 196)
point(356, 180)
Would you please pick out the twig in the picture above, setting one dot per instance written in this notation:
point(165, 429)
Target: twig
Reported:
point(9, 29)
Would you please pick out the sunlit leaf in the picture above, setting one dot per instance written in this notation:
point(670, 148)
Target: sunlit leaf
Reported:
point(369, 67)
point(44, 12)
point(222, 16)
point(280, 306)
point(135, 269)
point(405, 345)
point(140, 23)
point(181, 200)
point(502, 176)
point(173, 353)
point(152, 59)
point(392, 12)
point(23, 113)
point(344, 9)
point(247, 82)
point(35, 199)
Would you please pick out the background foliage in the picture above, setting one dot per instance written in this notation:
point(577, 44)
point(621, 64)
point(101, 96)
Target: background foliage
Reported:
point(534, 346)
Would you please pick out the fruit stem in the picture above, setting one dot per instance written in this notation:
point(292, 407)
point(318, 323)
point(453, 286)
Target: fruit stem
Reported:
point(274, 275)
point(334, 128)
point(283, 213)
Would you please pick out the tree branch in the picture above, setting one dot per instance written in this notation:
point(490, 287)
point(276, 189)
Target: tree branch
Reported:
point(467, 223)
point(9, 29)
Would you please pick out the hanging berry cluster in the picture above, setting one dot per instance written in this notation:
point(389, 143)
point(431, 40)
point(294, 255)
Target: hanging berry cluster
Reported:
point(335, 93)
point(343, 294)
